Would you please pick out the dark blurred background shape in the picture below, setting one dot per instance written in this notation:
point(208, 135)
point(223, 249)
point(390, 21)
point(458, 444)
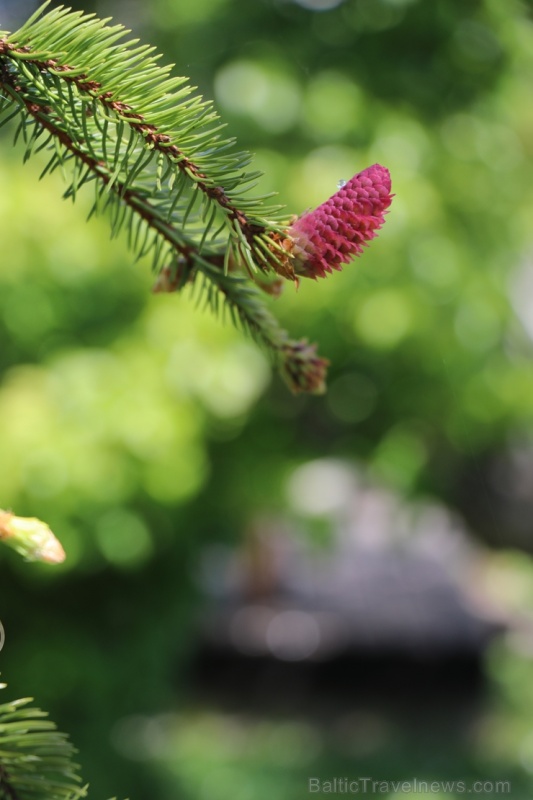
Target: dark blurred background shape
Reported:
point(385, 614)
point(147, 433)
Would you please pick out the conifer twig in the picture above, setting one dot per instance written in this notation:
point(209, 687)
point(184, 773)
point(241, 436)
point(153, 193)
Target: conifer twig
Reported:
point(159, 166)
point(31, 537)
point(36, 760)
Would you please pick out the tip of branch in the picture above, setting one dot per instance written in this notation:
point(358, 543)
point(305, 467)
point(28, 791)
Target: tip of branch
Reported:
point(30, 537)
point(302, 369)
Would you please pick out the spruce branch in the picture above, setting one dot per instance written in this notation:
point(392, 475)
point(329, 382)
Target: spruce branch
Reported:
point(36, 760)
point(104, 108)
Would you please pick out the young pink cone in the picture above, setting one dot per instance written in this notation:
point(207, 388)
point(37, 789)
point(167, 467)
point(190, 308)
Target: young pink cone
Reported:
point(333, 233)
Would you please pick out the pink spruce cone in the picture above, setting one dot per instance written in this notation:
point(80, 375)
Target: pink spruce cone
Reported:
point(329, 236)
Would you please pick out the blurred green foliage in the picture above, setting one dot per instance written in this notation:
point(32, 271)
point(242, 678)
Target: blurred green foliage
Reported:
point(140, 428)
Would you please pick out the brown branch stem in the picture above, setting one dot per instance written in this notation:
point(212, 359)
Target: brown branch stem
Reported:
point(6, 788)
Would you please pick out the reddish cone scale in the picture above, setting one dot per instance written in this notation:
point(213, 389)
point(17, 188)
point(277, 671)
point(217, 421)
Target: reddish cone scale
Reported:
point(333, 233)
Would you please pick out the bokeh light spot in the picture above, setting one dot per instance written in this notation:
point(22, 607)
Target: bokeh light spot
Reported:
point(331, 106)
point(320, 487)
point(477, 325)
point(399, 458)
point(266, 94)
point(123, 538)
point(384, 319)
point(319, 5)
point(177, 477)
point(293, 635)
